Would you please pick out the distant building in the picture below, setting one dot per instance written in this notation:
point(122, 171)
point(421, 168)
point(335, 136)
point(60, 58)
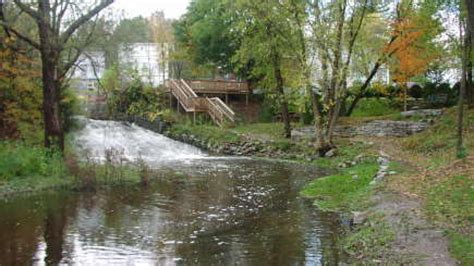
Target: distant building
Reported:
point(89, 68)
point(148, 59)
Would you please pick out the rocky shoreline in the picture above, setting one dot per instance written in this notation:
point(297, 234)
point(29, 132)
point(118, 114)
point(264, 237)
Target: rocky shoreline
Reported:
point(244, 147)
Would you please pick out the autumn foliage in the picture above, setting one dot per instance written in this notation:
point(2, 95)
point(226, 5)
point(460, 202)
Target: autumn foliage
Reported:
point(413, 48)
point(20, 98)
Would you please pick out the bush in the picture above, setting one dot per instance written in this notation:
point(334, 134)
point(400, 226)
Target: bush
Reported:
point(18, 161)
point(69, 107)
point(432, 90)
point(267, 112)
point(374, 107)
point(133, 97)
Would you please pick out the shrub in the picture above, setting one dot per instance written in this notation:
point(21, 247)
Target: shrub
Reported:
point(374, 107)
point(18, 161)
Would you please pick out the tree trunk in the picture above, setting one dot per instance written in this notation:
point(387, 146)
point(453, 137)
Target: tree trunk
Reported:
point(53, 129)
point(405, 97)
point(460, 117)
point(468, 43)
point(363, 88)
point(285, 114)
point(469, 86)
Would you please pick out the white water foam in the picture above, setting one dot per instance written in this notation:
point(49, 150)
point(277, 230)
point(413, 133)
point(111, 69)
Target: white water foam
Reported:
point(132, 142)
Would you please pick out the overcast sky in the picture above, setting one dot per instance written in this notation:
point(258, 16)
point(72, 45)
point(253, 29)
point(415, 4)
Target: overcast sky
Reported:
point(172, 8)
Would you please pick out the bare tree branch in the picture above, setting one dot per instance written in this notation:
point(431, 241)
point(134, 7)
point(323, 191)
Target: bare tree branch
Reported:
point(61, 15)
point(81, 20)
point(19, 35)
point(80, 49)
point(35, 14)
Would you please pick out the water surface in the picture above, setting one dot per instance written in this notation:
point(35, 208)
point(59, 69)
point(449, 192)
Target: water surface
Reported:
point(204, 210)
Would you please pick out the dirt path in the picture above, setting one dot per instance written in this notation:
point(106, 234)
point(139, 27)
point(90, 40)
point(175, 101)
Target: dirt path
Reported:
point(417, 240)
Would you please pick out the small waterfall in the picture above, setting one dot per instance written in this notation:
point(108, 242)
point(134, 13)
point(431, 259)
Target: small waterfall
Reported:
point(132, 142)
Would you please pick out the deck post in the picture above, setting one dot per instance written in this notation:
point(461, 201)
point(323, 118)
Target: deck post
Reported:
point(171, 100)
point(194, 118)
point(227, 98)
point(247, 99)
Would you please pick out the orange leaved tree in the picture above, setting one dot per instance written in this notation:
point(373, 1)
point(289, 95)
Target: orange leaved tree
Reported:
point(413, 48)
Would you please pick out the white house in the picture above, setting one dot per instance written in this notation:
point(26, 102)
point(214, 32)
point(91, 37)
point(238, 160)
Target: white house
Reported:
point(148, 59)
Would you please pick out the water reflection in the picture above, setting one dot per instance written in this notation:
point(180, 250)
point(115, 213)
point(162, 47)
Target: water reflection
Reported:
point(206, 212)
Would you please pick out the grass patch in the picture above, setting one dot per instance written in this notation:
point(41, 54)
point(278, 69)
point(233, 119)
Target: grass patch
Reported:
point(439, 141)
point(346, 151)
point(372, 241)
point(268, 136)
point(265, 131)
point(27, 168)
point(369, 107)
point(462, 248)
point(345, 191)
point(452, 202)
point(20, 161)
point(213, 134)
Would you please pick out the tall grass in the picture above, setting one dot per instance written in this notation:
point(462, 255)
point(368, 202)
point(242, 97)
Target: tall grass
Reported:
point(21, 161)
point(27, 168)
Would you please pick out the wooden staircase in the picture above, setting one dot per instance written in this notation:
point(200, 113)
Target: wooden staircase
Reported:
point(219, 112)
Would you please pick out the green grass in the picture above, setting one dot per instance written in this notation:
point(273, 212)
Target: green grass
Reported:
point(369, 107)
point(462, 248)
point(269, 135)
point(346, 151)
point(440, 138)
point(371, 241)
point(452, 202)
point(345, 191)
point(210, 133)
point(27, 168)
point(271, 131)
point(18, 161)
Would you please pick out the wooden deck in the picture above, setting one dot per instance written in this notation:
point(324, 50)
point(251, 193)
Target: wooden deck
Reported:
point(219, 86)
point(187, 98)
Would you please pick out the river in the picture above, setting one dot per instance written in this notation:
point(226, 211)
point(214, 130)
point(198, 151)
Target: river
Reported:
point(204, 210)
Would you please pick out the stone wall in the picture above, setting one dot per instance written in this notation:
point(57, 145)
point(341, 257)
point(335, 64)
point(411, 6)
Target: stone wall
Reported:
point(382, 128)
point(379, 128)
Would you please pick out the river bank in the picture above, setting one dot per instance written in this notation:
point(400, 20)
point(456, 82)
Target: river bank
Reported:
point(204, 209)
point(414, 212)
point(411, 214)
point(27, 170)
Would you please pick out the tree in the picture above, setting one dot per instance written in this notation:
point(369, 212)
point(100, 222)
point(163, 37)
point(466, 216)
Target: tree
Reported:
point(162, 33)
point(334, 29)
point(466, 13)
point(56, 28)
point(413, 49)
point(205, 32)
point(266, 42)
point(469, 39)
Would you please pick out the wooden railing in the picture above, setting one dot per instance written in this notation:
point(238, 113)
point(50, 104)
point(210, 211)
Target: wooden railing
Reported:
point(219, 111)
point(188, 99)
point(186, 96)
point(219, 86)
